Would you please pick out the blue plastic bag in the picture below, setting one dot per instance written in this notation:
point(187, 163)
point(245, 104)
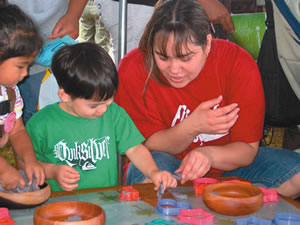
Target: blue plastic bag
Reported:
point(47, 52)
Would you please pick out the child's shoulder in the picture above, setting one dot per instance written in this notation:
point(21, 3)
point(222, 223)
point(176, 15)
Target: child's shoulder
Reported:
point(45, 113)
point(114, 107)
point(115, 112)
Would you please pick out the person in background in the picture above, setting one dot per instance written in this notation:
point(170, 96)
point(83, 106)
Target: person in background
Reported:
point(92, 28)
point(54, 19)
point(199, 102)
point(92, 129)
point(19, 44)
point(138, 14)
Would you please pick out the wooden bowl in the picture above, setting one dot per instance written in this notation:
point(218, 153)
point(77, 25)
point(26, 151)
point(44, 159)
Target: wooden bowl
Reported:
point(233, 199)
point(26, 199)
point(61, 213)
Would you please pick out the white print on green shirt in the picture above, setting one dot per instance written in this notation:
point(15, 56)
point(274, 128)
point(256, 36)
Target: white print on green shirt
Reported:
point(84, 155)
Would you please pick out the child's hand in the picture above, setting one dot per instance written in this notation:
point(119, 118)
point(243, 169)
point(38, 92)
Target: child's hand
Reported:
point(163, 177)
point(34, 167)
point(66, 177)
point(11, 178)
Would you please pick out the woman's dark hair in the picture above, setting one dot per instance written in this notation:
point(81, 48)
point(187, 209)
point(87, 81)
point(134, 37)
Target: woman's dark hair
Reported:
point(185, 19)
point(85, 71)
point(18, 34)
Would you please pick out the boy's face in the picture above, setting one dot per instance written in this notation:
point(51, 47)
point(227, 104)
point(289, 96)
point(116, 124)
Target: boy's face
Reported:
point(89, 109)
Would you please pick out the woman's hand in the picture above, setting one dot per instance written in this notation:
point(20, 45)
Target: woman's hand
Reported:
point(208, 118)
point(163, 177)
point(195, 164)
point(66, 177)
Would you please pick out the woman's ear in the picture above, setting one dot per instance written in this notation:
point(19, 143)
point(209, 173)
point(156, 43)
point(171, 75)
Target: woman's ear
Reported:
point(208, 44)
point(63, 95)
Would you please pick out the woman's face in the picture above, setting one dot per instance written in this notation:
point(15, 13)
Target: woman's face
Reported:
point(180, 71)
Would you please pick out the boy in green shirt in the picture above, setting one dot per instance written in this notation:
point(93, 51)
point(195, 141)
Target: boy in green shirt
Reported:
point(78, 139)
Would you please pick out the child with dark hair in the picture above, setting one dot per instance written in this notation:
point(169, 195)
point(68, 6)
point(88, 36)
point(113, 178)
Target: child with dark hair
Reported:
point(78, 139)
point(19, 44)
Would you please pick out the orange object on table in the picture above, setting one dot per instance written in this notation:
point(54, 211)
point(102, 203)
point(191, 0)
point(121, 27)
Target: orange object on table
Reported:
point(129, 194)
point(199, 188)
point(7, 221)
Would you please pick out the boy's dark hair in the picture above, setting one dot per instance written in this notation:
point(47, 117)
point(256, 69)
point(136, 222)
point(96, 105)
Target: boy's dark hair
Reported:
point(18, 34)
point(86, 71)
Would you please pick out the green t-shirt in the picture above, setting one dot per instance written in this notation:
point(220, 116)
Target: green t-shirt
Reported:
point(88, 145)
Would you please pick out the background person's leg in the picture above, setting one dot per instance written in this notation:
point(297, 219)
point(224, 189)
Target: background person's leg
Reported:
point(137, 18)
point(30, 90)
point(87, 24)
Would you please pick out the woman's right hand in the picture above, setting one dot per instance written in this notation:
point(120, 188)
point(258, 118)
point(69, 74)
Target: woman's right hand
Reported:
point(195, 164)
point(208, 118)
point(66, 177)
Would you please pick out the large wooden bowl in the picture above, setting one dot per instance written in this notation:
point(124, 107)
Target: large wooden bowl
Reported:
point(233, 199)
point(26, 199)
point(60, 213)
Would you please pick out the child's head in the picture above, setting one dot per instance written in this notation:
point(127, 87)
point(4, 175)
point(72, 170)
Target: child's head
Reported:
point(85, 73)
point(19, 44)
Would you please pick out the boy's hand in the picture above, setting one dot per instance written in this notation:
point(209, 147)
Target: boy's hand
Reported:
point(11, 178)
point(34, 167)
point(66, 177)
point(163, 177)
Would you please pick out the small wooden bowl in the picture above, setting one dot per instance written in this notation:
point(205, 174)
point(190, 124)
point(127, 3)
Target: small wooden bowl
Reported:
point(233, 199)
point(26, 199)
point(60, 213)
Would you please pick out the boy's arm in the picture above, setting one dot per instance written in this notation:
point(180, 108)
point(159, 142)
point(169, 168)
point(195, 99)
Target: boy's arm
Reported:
point(64, 175)
point(23, 147)
point(142, 159)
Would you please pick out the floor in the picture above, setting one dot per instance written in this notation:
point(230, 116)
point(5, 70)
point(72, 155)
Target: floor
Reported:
point(274, 138)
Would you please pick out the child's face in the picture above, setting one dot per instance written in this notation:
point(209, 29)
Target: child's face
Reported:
point(90, 109)
point(13, 70)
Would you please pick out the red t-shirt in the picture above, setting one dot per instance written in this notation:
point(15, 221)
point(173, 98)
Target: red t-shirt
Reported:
point(229, 71)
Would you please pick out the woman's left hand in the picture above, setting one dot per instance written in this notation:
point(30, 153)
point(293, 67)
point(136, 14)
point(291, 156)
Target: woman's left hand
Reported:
point(195, 164)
